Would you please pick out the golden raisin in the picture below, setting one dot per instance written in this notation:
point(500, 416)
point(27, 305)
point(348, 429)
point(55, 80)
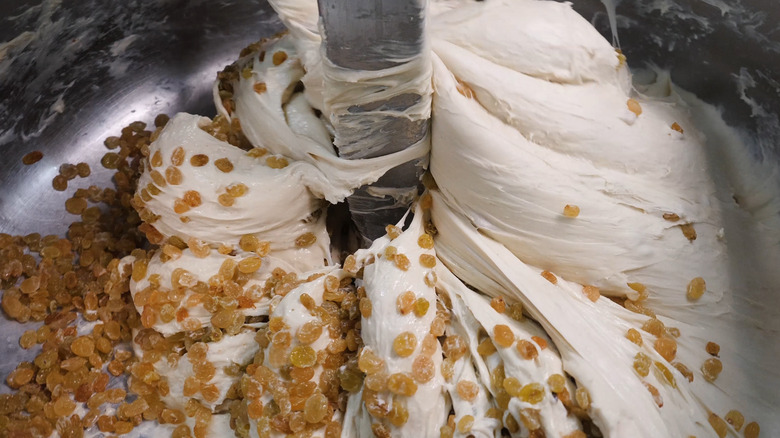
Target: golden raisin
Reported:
point(425, 241)
point(177, 156)
point(735, 419)
point(583, 398)
point(666, 347)
point(592, 292)
point(557, 383)
point(711, 368)
point(365, 307)
point(158, 179)
point(248, 242)
point(486, 347)
point(226, 200)
point(532, 393)
point(83, 346)
point(437, 326)
point(276, 162)
point(430, 279)
point(76, 205)
point(28, 339)
point(752, 430)
point(447, 368)
point(316, 408)
point(696, 288)
point(571, 211)
point(255, 409)
point(503, 335)
point(110, 160)
point(671, 217)
point(421, 306)
point(549, 276)
point(454, 347)
point(224, 165)
point(172, 416)
point(59, 183)
point(634, 336)
point(423, 369)
point(642, 364)
point(659, 401)
point(720, 426)
point(173, 175)
point(392, 231)
point(279, 57)
point(376, 381)
point(63, 406)
point(228, 269)
point(380, 430)
point(237, 190)
point(192, 198)
point(210, 392)
point(664, 374)
point(32, 158)
point(465, 424)
point(305, 240)
point(405, 302)
point(157, 160)
point(541, 342)
point(654, 326)
point(401, 384)
point(180, 207)
point(498, 304)
point(512, 386)
point(515, 311)
point(250, 265)
point(405, 344)
point(370, 363)
point(429, 345)
point(688, 231)
point(199, 160)
point(634, 107)
point(467, 390)
point(309, 332)
point(260, 87)
point(527, 349)
point(19, 377)
point(684, 370)
point(402, 262)
point(257, 152)
point(427, 261)
point(398, 414)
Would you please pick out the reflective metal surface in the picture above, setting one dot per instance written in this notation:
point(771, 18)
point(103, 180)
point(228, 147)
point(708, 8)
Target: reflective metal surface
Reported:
point(75, 71)
point(78, 71)
point(727, 52)
point(377, 35)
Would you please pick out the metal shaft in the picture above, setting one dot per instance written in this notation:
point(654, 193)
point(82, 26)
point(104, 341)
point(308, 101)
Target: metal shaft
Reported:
point(375, 35)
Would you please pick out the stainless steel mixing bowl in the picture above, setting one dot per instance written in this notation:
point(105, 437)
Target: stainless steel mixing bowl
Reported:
point(73, 72)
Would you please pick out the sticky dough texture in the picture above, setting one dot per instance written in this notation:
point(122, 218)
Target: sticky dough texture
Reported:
point(589, 336)
point(297, 210)
point(528, 143)
point(283, 121)
point(471, 313)
point(529, 113)
point(384, 281)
